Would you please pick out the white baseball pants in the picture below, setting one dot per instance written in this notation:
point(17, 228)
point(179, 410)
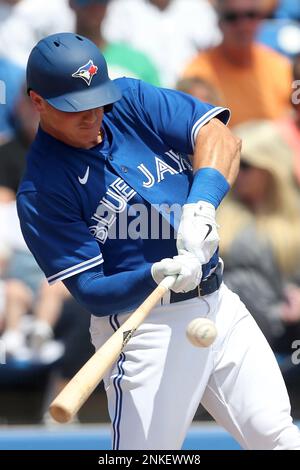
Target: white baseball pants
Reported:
point(155, 387)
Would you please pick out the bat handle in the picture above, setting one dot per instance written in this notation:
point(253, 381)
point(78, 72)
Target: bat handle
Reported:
point(168, 282)
point(71, 398)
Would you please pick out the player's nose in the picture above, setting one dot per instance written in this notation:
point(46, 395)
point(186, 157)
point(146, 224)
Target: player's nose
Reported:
point(91, 115)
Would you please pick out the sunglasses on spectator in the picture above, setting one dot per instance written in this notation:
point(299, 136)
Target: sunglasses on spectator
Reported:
point(233, 16)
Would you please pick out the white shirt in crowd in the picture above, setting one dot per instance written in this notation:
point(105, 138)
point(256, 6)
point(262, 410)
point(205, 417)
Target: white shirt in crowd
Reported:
point(170, 37)
point(22, 25)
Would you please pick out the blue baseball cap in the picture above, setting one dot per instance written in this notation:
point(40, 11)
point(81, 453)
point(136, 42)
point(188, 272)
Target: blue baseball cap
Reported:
point(70, 73)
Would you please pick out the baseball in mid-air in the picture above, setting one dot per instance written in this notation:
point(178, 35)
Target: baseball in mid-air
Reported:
point(201, 332)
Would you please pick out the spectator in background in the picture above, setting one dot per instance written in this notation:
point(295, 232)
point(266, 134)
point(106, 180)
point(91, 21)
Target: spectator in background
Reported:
point(6, 8)
point(11, 80)
point(170, 32)
point(288, 9)
point(201, 89)
point(260, 234)
point(254, 81)
point(23, 290)
point(280, 32)
point(282, 9)
point(121, 58)
point(12, 154)
point(23, 286)
point(24, 22)
point(289, 126)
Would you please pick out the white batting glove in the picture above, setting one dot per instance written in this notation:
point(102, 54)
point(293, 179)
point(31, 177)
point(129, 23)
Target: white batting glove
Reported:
point(197, 232)
point(165, 267)
point(186, 266)
point(191, 272)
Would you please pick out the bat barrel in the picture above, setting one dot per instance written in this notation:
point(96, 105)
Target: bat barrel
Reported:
point(60, 413)
point(76, 392)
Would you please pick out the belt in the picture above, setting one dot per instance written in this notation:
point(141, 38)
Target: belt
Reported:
point(206, 287)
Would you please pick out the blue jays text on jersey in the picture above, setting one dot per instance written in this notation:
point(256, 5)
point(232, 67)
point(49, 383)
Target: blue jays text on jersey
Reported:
point(113, 208)
point(71, 199)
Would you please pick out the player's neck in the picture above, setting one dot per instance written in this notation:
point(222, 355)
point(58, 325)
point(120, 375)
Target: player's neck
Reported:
point(100, 136)
point(63, 137)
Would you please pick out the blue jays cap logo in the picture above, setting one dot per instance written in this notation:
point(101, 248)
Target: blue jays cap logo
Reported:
point(86, 72)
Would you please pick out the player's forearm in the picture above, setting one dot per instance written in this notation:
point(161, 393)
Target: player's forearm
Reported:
point(215, 162)
point(216, 147)
point(107, 295)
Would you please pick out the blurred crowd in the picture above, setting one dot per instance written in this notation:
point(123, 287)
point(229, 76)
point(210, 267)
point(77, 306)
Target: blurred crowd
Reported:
point(241, 54)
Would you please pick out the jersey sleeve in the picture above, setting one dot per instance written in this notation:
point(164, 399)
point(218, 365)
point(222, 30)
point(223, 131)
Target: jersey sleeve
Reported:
point(175, 116)
point(56, 235)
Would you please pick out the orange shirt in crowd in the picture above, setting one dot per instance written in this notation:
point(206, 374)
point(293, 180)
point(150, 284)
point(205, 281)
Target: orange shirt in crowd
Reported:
point(261, 90)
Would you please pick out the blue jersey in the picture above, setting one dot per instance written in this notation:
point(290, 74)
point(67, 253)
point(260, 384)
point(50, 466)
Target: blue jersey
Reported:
point(115, 205)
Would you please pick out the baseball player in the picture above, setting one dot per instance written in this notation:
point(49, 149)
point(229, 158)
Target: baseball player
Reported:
point(98, 206)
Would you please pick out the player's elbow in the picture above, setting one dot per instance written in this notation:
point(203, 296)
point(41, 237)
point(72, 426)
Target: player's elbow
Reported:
point(86, 289)
point(238, 144)
point(233, 144)
point(234, 147)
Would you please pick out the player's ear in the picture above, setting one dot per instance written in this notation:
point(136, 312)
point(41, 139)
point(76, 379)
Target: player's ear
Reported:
point(37, 100)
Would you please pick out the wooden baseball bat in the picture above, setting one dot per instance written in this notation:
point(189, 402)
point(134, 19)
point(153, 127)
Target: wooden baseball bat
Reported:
point(82, 385)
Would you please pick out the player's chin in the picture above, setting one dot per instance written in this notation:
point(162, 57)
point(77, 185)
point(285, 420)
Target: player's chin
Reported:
point(89, 130)
point(88, 134)
point(86, 142)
